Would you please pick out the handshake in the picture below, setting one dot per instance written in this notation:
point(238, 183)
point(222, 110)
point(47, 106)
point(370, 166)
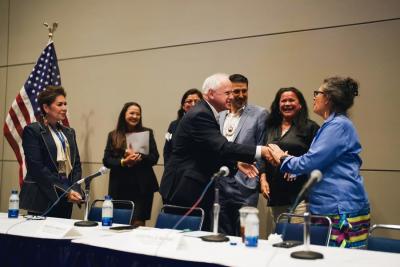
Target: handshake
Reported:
point(273, 154)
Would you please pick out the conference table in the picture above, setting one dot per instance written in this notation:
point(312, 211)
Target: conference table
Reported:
point(57, 242)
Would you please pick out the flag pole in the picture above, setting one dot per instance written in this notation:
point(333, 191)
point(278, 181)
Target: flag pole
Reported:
point(51, 29)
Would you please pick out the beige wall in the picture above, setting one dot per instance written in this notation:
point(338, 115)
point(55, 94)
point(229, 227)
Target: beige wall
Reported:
point(152, 51)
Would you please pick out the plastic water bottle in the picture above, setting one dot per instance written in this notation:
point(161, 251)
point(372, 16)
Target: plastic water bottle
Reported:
point(251, 230)
point(107, 212)
point(13, 205)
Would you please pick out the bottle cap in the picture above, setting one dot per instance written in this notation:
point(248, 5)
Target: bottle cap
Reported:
point(107, 197)
point(14, 191)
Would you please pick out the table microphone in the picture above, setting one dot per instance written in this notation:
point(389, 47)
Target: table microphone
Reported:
point(223, 171)
point(307, 254)
point(101, 171)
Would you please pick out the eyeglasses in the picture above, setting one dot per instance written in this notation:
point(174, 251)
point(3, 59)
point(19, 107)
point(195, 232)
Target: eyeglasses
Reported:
point(316, 93)
point(238, 91)
point(191, 101)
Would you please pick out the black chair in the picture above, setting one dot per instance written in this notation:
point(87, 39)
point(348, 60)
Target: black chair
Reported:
point(385, 244)
point(122, 211)
point(319, 233)
point(170, 215)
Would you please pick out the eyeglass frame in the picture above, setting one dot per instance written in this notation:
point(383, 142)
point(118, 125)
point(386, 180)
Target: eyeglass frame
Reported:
point(190, 101)
point(316, 93)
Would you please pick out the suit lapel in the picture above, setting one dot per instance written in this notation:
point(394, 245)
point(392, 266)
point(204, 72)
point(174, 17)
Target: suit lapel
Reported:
point(50, 144)
point(242, 120)
point(222, 117)
point(71, 141)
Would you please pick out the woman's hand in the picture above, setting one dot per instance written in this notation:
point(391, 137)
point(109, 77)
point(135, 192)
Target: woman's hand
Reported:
point(264, 186)
point(74, 197)
point(132, 159)
point(276, 152)
point(289, 177)
point(250, 170)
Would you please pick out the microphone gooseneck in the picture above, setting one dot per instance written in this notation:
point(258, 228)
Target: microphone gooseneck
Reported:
point(315, 177)
point(223, 171)
point(102, 170)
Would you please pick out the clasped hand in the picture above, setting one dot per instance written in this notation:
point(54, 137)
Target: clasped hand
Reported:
point(131, 157)
point(273, 153)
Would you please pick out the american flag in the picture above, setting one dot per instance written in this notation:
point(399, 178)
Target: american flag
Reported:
point(25, 109)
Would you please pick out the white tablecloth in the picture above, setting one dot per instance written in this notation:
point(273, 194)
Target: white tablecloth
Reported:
point(194, 249)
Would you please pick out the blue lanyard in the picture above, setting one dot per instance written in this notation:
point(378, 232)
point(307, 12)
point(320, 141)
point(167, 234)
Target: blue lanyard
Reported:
point(60, 136)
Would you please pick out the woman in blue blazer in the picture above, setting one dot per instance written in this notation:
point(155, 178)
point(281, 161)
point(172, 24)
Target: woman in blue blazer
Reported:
point(335, 151)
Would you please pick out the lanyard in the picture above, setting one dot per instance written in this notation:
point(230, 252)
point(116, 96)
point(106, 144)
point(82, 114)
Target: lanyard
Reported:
point(60, 137)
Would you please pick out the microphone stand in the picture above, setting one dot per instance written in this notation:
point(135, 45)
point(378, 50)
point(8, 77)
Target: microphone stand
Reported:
point(86, 222)
point(216, 208)
point(307, 254)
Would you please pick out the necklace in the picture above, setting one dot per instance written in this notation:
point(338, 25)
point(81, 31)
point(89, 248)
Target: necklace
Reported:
point(229, 131)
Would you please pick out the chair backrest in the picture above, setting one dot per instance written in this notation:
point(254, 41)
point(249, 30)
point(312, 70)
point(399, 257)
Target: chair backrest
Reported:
point(319, 233)
point(170, 215)
point(383, 243)
point(122, 211)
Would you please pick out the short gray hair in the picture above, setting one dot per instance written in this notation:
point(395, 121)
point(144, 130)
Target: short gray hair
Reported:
point(214, 82)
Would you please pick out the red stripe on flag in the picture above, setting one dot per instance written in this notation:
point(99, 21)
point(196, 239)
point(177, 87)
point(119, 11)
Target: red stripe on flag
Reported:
point(23, 109)
point(16, 122)
point(14, 145)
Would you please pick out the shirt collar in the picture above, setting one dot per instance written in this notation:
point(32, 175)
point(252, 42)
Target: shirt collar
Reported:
point(330, 117)
point(239, 112)
point(214, 111)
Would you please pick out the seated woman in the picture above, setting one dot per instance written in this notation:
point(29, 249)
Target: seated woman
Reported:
point(335, 152)
point(52, 159)
point(289, 127)
point(131, 172)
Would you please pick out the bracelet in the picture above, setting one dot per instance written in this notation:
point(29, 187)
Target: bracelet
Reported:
point(122, 162)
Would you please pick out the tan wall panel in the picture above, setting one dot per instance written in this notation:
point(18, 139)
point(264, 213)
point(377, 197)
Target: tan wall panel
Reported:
point(3, 31)
point(382, 188)
point(3, 109)
point(301, 59)
point(95, 27)
point(9, 182)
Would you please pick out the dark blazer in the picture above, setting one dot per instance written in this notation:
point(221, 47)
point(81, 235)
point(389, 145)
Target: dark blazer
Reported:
point(42, 185)
point(199, 151)
point(141, 174)
point(167, 151)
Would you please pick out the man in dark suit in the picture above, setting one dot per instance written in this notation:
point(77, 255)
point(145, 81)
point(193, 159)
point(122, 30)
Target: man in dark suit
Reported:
point(200, 149)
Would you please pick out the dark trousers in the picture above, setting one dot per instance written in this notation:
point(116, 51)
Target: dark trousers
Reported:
point(233, 196)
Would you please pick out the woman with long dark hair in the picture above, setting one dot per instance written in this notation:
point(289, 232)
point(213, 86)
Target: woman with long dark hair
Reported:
point(288, 126)
point(131, 172)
